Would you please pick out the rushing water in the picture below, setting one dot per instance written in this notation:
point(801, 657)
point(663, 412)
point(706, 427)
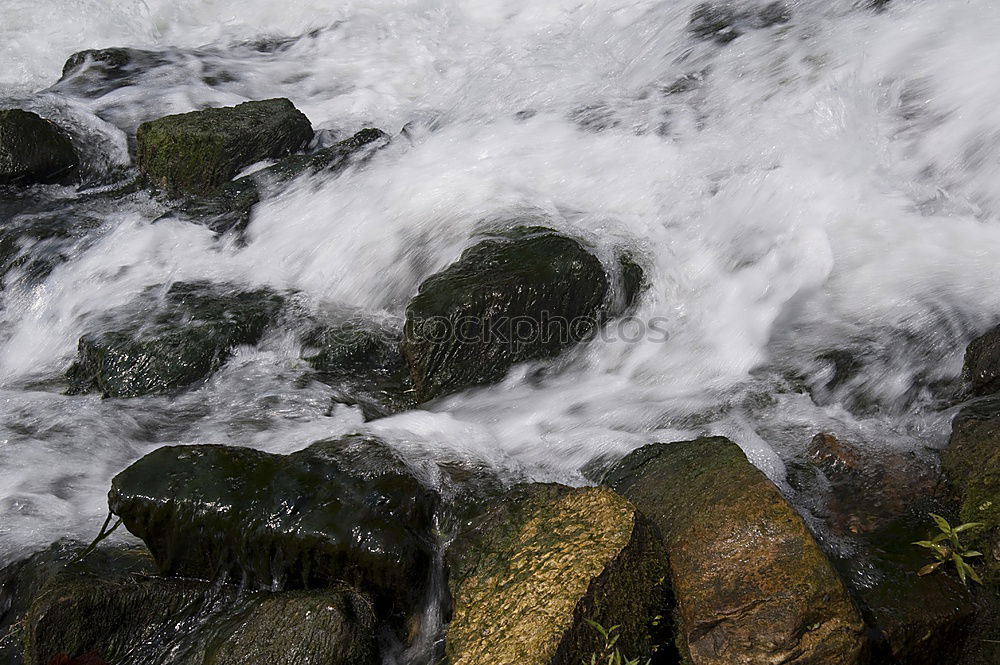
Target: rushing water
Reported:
point(813, 191)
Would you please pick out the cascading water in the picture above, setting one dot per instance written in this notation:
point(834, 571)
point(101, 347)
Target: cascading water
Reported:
point(814, 204)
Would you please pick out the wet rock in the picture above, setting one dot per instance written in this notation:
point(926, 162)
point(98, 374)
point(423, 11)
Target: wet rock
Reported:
point(361, 360)
point(197, 152)
point(524, 579)
point(829, 451)
point(916, 620)
point(34, 150)
point(340, 510)
point(981, 370)
point(96, 72)
point(752, 585)
point(168, 343)
point(229, 208)
point(724, 22)
point(525, 295)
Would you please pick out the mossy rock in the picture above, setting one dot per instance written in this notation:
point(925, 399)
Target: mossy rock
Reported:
point(525, 295)
point(34, 150)
point(975, 437)
point(981, 368)
point(752, 585)
point(340, 510)
point(981, 503)
point(109, 608)
point(198, 152)
point(168, 343)
point(527, 576)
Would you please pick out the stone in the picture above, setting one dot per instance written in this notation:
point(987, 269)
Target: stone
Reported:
point(198, 152)
point(34, 150)
point(526, 577)
point(981, 369)
point(752, 585)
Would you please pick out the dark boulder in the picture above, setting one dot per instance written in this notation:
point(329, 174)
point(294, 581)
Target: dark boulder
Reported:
point(526, 578)
point(34, 150)
point(524, 295)
point(752, 585)
point(340, 510)
point(170, 342)
point(96, 72)
point(981, 370)
point(198, 152)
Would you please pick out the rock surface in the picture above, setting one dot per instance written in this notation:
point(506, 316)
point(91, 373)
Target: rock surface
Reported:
point(524, 578)
point(340, 510)
point(34, 150)
point(198, 152)
point(164, 344)
point(981, 369)
point(96, 72)
point(525, 295)
point(752, 585)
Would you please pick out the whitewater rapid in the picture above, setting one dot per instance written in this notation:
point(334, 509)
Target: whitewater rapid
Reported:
point(825, 185)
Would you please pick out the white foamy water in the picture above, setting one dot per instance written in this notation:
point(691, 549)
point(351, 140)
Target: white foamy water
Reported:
point(826, 185)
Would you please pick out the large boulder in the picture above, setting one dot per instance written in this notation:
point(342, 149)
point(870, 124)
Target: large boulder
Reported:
point(340, 510)
point(529, 575)
point(981, 369)
point(197, 152)
point(34, 150)
point(524, 295)
point(752, 584)
point(161, 344)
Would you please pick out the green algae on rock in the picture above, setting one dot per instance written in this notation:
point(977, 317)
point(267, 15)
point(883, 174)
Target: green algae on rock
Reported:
point(340, 510)
point(170, 344)
point(198, 152)
point(526, 577)
point(751, 583)
point(34, 150)
point(527, 294)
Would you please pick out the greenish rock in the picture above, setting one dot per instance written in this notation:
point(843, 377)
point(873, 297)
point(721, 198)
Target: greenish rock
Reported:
point(981, 503)
point(981, 369)
point(527, 576)
point(752, 585)
point(329, 627)
point(360, 359)
point(343, 509)
point(34, 150)
point(198, 152)
point(975, 437)
point(109, 608)
point(229, 208)
point(527, 294)
point(169, 343)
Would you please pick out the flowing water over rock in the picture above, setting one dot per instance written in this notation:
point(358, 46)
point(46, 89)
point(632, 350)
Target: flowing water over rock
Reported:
point(810, 189)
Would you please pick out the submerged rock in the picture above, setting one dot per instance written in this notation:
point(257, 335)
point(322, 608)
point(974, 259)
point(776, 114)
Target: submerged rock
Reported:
point(525, 295)
point(197, 152)
point(171, 343)
point(34, 150)
point(525, 579)
point(340, 510)
point(723, 22)
point(981, 370)
point(96, 72)
point(752, 585)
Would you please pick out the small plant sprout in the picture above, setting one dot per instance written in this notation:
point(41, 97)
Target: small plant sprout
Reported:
point(609, 654)
point(947, 546)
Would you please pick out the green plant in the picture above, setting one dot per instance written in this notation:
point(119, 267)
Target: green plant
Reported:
point(947, 546)
point(609, 654)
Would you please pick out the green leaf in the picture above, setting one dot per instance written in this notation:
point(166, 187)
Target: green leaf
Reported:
point(971, 553)
point(941, 522)
point(960, 566)
point(929, 568)
point(967, 526)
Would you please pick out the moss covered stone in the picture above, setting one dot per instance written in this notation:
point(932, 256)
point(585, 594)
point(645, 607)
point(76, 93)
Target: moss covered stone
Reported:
point(526, 576)
point(752, 585)
point(340, 510)
point(167, 343)
point(525, 295)
point(34, 150)
point(197, 152)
